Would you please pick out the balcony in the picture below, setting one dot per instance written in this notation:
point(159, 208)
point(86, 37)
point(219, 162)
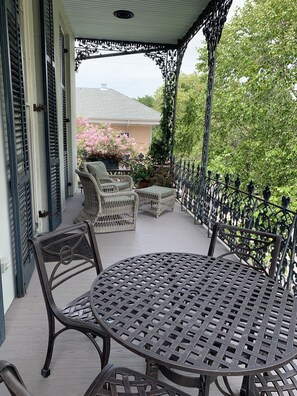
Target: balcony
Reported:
point(75, 362)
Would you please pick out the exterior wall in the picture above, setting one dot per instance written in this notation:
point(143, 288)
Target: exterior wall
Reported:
point(61, 20)
point(34, 95)
point(33, 77)
point(5, 240)
point(141, 133)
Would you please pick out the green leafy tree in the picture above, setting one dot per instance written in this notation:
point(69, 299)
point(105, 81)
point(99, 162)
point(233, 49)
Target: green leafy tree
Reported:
point(147, 100)
point(254, 120)
point(189, 116)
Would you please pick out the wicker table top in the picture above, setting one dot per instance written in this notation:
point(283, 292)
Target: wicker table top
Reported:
point(198, 314)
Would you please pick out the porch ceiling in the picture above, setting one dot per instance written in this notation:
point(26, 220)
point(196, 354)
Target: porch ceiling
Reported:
point(154, 21)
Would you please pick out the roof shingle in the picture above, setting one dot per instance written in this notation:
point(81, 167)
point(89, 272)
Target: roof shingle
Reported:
point(108, 105)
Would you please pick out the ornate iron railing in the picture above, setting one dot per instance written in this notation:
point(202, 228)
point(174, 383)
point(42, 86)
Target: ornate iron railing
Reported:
point(222, 200)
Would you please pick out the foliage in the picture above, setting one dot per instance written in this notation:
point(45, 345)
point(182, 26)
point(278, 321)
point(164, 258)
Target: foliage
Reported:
point(253, 127)
point(189, 120)
point(162, 176)
point(144, 170)
point(141, 170)
point(162, 143)
point(160, 148)
point(189, 116)
point(102, 142)
point(147, 100)
point(254, 114)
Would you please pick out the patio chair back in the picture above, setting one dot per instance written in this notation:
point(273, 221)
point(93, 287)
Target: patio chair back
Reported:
point(119, 381)
point(11, 378)
point(256, 248)
point(108, 182)
point(99, 168)
point(60, 257)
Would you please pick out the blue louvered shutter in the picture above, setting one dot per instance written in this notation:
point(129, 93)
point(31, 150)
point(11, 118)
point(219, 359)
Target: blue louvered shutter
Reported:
point(51, 121)
point(16, 145)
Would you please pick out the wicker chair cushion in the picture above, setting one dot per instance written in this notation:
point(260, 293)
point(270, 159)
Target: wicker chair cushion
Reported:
point(123, 185)
point(164, 192)
point(118, 199)
point(100, 171)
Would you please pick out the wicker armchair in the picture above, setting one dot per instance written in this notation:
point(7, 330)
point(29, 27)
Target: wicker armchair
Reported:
point(11, 378)
point(256, 248)
point(107, 182)
point(108, 212)
point(60, 257)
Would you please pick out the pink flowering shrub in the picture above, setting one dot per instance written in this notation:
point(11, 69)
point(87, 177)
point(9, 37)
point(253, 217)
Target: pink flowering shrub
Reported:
point(95, 142)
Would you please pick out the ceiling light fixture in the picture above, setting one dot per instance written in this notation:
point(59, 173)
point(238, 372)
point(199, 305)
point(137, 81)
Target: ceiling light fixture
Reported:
point(123, 14)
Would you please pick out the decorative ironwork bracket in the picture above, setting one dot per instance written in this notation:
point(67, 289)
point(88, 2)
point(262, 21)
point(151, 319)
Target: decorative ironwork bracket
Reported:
point(94, 48)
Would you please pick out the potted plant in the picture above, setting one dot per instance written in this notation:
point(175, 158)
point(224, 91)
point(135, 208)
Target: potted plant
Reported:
point(102, 143)
point(141, 172)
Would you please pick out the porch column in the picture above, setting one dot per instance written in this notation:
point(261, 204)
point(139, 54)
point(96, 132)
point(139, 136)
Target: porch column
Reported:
point(212, 31)
point(169, 62)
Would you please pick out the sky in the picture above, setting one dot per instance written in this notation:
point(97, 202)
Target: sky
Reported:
point(136, 75)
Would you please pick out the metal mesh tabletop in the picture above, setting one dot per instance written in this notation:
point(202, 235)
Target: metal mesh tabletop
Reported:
point(195, 313)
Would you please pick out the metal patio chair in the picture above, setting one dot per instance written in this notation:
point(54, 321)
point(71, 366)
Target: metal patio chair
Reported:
point(11, 378)
point(256, 248)
point(111, 381)
point(60, 256)
point(260, 250)
point(281, 381)
point(108, 182)
point(108, 212)
point(116, 381)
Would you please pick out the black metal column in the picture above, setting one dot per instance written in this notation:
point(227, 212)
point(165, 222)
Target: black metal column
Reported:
point(170, 63)
point(212, 31)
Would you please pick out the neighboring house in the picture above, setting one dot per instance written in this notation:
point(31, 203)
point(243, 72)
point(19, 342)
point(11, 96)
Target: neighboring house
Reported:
point(105, 105)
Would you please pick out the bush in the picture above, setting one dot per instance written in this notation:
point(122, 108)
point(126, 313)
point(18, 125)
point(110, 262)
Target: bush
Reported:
point(102, 142)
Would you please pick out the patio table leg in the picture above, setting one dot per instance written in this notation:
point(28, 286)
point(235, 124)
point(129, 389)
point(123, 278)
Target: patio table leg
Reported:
point(204, 386)
point(248, 387)
point(151, 369)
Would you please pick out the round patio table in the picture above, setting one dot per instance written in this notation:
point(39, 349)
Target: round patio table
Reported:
point(197, 314)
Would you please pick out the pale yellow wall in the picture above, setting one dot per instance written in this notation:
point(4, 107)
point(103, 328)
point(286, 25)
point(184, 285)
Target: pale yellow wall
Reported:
point(141, 133)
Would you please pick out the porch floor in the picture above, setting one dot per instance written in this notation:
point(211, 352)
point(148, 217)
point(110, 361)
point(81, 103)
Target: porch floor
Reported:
point(75, 362)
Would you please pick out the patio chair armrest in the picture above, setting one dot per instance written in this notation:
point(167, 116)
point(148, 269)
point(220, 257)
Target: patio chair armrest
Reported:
point(12, 379)
point(119, 194)
point(109, 187)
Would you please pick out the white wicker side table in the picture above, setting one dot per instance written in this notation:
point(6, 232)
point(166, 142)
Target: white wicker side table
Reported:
point(156, 199)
